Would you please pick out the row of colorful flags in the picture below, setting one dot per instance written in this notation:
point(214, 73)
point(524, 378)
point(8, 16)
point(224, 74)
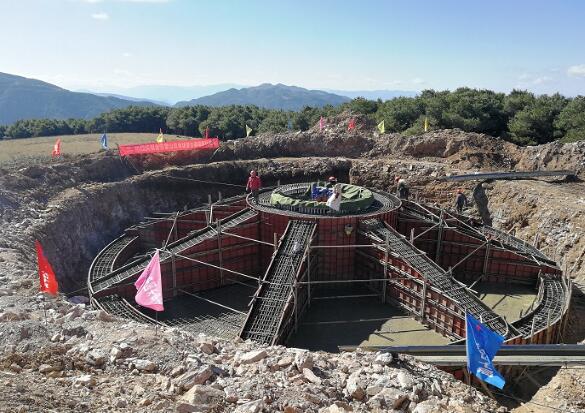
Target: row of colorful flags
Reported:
point(160, 138)
point(381, 126)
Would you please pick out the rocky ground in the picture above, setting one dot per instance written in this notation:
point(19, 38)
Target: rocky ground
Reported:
point(83, 360)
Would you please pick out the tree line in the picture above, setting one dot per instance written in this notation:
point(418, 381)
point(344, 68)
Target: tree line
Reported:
point(520, 117)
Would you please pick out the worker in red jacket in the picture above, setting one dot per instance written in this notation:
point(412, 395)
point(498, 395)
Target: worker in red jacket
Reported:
point(254, 184)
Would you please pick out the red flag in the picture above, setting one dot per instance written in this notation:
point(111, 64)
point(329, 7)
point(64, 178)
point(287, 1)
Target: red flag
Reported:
point(351, 124)
point(57, 148)
point(321, 123)
point(47, 276)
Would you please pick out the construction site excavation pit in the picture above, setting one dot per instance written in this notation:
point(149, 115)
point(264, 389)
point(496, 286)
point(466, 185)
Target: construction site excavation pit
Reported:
point(284, 268)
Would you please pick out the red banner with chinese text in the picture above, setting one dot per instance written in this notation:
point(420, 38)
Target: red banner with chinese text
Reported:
point(174, 146)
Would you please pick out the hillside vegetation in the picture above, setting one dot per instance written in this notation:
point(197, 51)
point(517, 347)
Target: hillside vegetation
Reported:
point(519, 117)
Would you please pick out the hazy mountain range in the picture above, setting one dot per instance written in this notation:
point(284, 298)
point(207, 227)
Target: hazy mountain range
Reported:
point(23, 98)
point(270, 96)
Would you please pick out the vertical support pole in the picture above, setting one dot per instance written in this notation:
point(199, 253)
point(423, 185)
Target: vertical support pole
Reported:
point(385, 282)
point(210, 216)
point(424, 300)
point(439, 237)
point(309, 277)
point(278, 183)
point(412, 236)
point(532, 331)
point(176, 228)
point(296, 297)
point(174, 267)
point(486, 260)
point(275, 242)
point(219, 197)
point(218, 228)
point(548, 332)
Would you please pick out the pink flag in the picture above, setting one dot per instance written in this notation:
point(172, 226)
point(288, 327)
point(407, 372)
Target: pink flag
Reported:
point(321, 123)
point(149, 286)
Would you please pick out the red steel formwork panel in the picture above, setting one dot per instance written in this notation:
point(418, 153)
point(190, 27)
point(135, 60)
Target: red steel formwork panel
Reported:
point(236, 254)
point(334, 263)
point(440, 312)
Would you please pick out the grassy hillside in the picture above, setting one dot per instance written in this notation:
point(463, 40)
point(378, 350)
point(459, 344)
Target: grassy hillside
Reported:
point(16, 149)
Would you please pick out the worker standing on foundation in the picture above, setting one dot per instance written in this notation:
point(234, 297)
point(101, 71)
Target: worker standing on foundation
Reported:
point(460, 201)
point(402, 188)
point(254, 184)
point(331, 182)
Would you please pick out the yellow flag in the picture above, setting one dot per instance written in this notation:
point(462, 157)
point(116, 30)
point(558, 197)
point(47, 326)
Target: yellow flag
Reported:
point(426, 124)
point(381, 127)
point(248, 131)
point(160, 138)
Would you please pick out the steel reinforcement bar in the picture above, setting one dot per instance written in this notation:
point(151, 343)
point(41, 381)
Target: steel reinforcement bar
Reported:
point(553, 301)
point(270, 302)
point(439, 278)
point(125, 273)
point(465, 226)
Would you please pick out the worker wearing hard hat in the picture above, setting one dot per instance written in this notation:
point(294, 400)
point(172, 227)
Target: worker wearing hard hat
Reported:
point(402, 190)
point(254, 184)
point(460, 201)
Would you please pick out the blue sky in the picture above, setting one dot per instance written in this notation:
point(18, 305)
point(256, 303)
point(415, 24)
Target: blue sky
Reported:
point(352, 45)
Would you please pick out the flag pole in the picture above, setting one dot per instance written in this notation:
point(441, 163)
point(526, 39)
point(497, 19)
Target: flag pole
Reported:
point(45, 308)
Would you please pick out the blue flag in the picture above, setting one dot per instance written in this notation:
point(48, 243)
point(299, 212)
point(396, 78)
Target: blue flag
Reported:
point(482, 345)
point(104, 141)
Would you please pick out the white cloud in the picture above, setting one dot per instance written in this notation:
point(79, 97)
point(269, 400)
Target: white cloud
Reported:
point(127, 54)
point(417, 81)
point(100, 16)
point(541, 79)
point(576, 71)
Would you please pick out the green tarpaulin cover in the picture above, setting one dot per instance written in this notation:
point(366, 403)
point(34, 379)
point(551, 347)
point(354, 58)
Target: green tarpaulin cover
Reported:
point(354, 198)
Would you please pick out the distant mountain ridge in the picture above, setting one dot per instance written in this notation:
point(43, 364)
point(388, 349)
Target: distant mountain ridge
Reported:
point(24, 98)
point(383, 94)
point(270, 96)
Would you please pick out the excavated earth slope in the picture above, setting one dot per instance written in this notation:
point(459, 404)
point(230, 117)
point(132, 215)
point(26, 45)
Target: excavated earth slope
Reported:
point(83, 360)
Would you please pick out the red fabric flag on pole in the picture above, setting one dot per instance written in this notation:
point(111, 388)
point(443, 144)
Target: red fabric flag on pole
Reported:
point(46, 275)
point(57, 148)
point(351, 124)
point(149, 286)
